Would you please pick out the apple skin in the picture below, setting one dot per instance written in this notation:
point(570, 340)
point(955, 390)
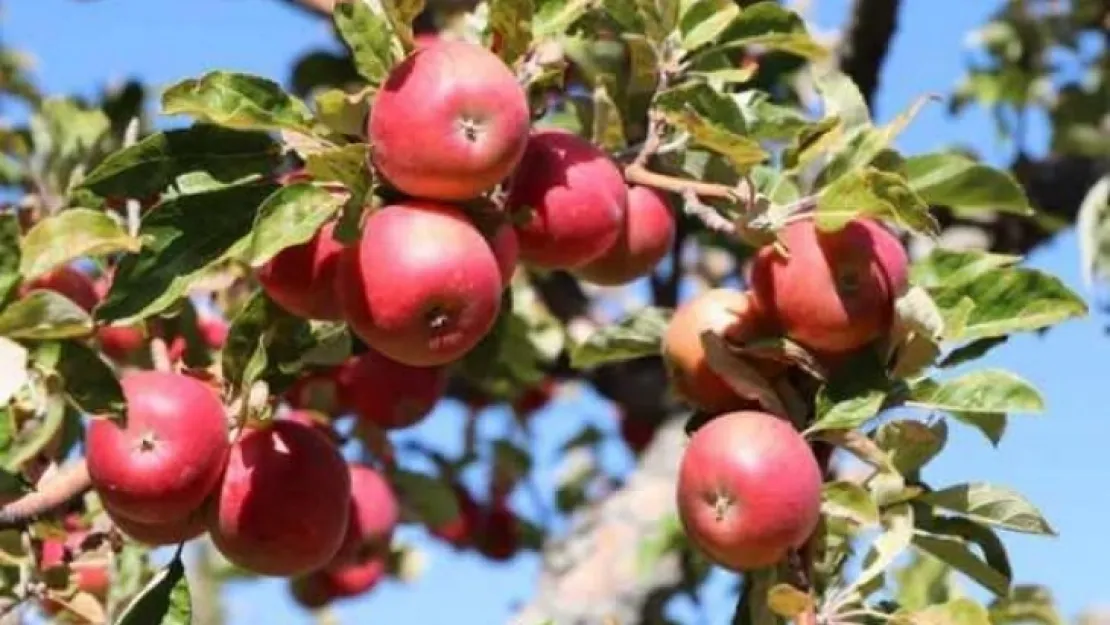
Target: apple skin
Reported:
point(318, 421)
point(317, 390)
point(506, 249)
point(310, 591)
point(836, 291)
point(645, 240)
point(450, 122)
point(749, 490)
point(387, 393)
point(213, 330)
point(725, 311)
point(161, 534)
point(165, 462)
point(373, 517)
point(301, 278)
point(499, 534)
point(120, 343)
point(283, 506)
point(70, 282)
point(460, 531)
point(422, 286)
point(578, 198)
point(352, 580)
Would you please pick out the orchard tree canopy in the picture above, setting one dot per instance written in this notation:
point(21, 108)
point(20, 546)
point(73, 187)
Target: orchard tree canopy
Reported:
point(211, 330)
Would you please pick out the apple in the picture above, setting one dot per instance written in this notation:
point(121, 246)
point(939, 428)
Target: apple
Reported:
point(164, 533)
point(310, 591)
point(535, 397)
point(352, 580)
point(506, 249)
point(577, 197)
point(836, 291)
point(734, 315)
point(318, 421)
point(460, 531)
point(645, 239)
point(70, 282)
point(317, 390)
point(213, 330)
point(422, 286)
point(449, 123)
point(749, 490)
point(301, 278)
point(283, 505)
point(121, 343)
point(162, 464)
point(387, 393)
point(374, 515)
point(499, 535)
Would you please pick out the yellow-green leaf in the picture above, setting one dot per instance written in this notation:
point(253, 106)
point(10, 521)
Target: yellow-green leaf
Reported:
point(986, 391)
point(957, 182)
point(992, 505)
point(69, 235)
point(238, 101)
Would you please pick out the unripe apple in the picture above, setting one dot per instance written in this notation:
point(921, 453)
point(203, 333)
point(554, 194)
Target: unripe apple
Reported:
point(374, 515)
point(506, 249)
point(644, 241)
point(422, 285)
point(836, 291)
point(164, 462)
point(282, 507)
point(749, 490)
point(577, 196)
point(723, 311)
point(387, 393)
point(161, 534)
point(301, 278)
point(449, 123)
point(69, 281)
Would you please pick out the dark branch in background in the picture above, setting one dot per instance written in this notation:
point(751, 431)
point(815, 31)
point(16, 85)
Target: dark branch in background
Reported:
point(866, 42)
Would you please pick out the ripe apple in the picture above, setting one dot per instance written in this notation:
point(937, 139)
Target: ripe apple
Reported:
point(422, 286)
point(506, 249)
point(499, 534)
point(164, 462)
point(318, 421)
point(387, 393)
point(317, 390)
point(310, 591)
point(373, 517)
point(120, 343)
point(450, 122)
point(459, 531)
point(836, 291)
point(730, 313)
point(282, 507)
point(160, 534)
point(213, 330)
point(578, 198)
point(70, 282)
point(301, 278)
point(749, 490)
point(644, 241)
point(351, 580)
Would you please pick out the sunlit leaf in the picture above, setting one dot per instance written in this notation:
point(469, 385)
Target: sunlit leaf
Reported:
point(43, 315)
point(636, 336)
point(237, 101)
point(69, 235)
point(957, 182)
point(985, 391)
point(993, 505)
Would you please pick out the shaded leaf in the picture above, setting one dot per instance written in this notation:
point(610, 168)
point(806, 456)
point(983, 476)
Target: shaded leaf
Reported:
point(30, 441)
point(401, 14)
point(237, 101)
point(993, 505)
point(742, 377)
point(429, 498)
point(955, 553)
point(986, 391)
point(972, 351)
point(1026, 604)
point(925, 581)
point(265, 342)
point(43, 315)
point(853, 396)
point(764, 119)
point(911, 444)
point(771, 26)
point(89, 382)
point(69, 235)
point(788, 601)
point(957, 182)
point(165, 600)
point(368, 37)
point(850, 501)
point(291, 216)
point(608, 130)
point(638, 335)
point(9, 254)
point(873, 193)
point(895, 538)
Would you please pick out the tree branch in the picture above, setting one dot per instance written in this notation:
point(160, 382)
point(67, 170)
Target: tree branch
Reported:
point(866, 42)
point(52, 493)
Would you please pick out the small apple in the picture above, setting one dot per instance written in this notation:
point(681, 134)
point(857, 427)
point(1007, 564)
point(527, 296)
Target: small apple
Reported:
point(301, 278)
point(645, 239)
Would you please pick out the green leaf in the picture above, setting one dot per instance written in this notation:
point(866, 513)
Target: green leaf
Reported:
point(960, 611)
point(431, 499)
point(991, 424)
point(30, 441)
point(667, 537)
point(950, 539)
point(165, 600)
point(512, 354)
point(957, 182)
point(849, 501)
point(911, 444)
point(728, 75)
point(766, 120)
point(743, 152)
point(954, 552)
point(768, 25)
point(291, 216)
point(704, 21)
point(265, 342)
point(1004, 301)
point(184, 237)
point(842, 100)
point(925, 581)
point(993, 505)
point(9, 254)
point(638, 335)
point(608, 131)
point(867, 145)
point(13, 369)
point(896, 536)
point(69, 235)
point(511, 23)
point(89, 382)
point(947, 268)
point(1026, 604)
point(874, 193)
point(346, 164)
point(154, 163)
point(369, 39)
point(555, 17)
point(44, 315)
point(986, 391)
point(237, 101)
point(343, 112)
point(972, 351)
point(1092, 226)
point(853, 396)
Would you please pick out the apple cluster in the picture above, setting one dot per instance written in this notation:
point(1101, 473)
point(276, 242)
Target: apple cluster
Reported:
point(749, 487)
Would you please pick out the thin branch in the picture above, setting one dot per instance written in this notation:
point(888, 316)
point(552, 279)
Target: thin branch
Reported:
point(61, 488)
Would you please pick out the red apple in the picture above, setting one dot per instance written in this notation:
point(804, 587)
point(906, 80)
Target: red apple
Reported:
point(301, 278)
point(282, 507)
point(374, 515)
point(389, 394)
point(449, 123)
point(422, 286)
point(317, 390)
point(352, 580)
point(213, 330)
point(500, 536)
point(459, 531)
point(121, 342)
point(578, 198)
point(643, 242)
point(318, 421)
point(161, 534)
point(749, 490)
point(506, 248)
point(164, 462)
point(70, 282)
point(836, 291)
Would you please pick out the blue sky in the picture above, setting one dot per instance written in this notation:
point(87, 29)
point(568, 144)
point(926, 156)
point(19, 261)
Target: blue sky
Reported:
point(1056, 459)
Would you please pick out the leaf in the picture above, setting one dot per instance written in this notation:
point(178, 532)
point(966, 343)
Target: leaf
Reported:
point(842, 99)
point(972, 351)
point(158, 160)
point(957, 182)
point(265, 342)
point(343, 112)
point(638, 335)
point(184, 237)
point(69, 235)
point(9, 254)
point(954, 552)
point(986, 391)
point(291, 216)
point(165, 600)
point(853, 396)
point(666, 538)
point(430, 498)
point(13, 369)
point(1027, 604)
point(346, 164)
point(89, 382)
point(1006, 301)
point(787, 601)
point(992, 425)
point(949, 268)
point(769, 25)
point(744, 379)
point(511, 23)
point(608, 130)
point(911, 444)
point(368, 37)
point(960, 611)
point(1091, 225)
point(507, 359)
point(555, 18)
point(897, 534)
point(873, 193)
point(869, 146)
point(766, 120)
point(401, 14)
point(237, 101)
point(925, 581)
point(743, 152)
point(30, 441)
point(44, 315)
point(643, 59)
point(849, 501)
point(704, 21)
point(993, 505)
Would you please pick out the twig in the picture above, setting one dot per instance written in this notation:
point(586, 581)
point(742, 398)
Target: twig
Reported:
point(69, 482)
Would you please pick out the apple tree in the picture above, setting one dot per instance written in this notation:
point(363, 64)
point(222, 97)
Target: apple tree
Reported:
point(212, 331)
